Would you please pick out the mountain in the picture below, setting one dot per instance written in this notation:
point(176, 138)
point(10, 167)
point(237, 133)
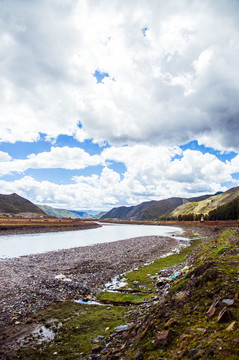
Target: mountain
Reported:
point(72, 214)
point(60, 213)
point(124, 212)
point(152, 210)
point(207, 205)
point(14, 204)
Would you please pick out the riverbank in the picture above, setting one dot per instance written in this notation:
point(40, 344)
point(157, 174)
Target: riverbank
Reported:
point(31, 283)
point(35, 226)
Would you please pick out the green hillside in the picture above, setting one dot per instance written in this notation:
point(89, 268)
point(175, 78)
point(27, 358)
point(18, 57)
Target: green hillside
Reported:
point(60, 213)
point(205, 206)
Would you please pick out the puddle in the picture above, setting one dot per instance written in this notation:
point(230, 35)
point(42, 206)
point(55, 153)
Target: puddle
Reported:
point(88, 302)
point(116, 283)
point(39, 334)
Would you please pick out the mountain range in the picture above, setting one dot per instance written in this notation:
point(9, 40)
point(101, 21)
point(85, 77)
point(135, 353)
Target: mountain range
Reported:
point(173, 207)
point(225, 205)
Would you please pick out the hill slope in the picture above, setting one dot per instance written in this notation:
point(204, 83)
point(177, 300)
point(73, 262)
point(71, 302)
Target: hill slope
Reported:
point(203, 207)
point(15, 204)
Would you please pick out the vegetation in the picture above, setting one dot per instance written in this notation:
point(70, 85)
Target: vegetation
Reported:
point(15, 204)
point(228, 211)
point(75, 326)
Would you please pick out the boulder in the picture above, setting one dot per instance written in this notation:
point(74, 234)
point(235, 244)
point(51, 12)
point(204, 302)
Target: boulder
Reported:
point(163, 338)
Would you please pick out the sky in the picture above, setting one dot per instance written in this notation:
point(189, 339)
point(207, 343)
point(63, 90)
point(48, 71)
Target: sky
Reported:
point(107, 103)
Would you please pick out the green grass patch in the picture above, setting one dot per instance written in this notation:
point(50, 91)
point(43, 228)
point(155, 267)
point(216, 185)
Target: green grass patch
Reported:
point(80, 324)
point(144, 276)
point(117, 297)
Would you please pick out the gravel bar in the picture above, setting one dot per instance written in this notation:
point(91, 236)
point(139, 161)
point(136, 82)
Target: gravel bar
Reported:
point(29, 284)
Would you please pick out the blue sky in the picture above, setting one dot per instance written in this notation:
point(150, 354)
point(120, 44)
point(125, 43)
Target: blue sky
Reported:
point(114, 103)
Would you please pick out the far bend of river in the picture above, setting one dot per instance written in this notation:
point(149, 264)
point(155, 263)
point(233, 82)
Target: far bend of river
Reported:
point(26, 244)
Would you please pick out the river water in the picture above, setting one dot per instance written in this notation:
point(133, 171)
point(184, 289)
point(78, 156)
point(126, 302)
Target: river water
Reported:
point(26, 244)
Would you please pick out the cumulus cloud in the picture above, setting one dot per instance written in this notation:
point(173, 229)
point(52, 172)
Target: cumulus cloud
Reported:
point(151, 172)
point(175, 82)
point(58, 158)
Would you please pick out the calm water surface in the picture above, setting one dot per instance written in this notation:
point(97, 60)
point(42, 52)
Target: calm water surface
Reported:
point(18, 245)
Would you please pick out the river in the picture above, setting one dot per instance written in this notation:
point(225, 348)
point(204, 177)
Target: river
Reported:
point(26, 244)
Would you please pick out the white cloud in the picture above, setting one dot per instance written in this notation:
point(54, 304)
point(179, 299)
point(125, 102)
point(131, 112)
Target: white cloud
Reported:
point(4, 156)
point(59, 157)
point(150, 173)
point(178, 83)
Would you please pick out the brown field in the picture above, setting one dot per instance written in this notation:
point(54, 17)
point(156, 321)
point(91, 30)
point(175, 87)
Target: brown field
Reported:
point(15, 226)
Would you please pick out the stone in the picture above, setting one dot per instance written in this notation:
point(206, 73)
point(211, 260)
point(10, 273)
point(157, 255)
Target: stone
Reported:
point(139, 356)
point(196, 353)
point(224, 315)
point(96, 348)
point(162, 281)
point(182, 338)
point(215, 308)
point(180, 297)
point(228, 302)
point(231, 326)
point(122, 328)
point(163, 338)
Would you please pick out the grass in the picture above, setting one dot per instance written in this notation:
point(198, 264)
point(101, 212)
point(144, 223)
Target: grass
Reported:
point(145, 275)
point(80, 324)
point(193, 331)
point(122, 298)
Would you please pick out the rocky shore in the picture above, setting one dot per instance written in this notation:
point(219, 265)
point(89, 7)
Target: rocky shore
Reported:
point(30, 283)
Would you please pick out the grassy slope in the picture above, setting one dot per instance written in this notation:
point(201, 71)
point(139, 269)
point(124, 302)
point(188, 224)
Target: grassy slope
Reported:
point(206, 205)
point(16, 204)
point(194, 334)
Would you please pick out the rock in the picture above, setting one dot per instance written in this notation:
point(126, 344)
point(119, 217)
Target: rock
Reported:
point(228, 302)
point(163, 338)
point(231, 326)
point(162, 281)
point(202, 268)
point(139, 356)
point(96, 348)
point(180, 297)
point(215, 308)
point(224, 315)
point(60, 277)
point(182, 338)
point(97, 339)
point(122, 328)
point(196, 353)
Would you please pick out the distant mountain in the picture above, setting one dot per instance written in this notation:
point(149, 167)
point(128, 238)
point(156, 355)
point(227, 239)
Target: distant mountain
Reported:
point(60, 213)
point(14, 204)
point(72, 214)
point(124, 212)
point(151, 210)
